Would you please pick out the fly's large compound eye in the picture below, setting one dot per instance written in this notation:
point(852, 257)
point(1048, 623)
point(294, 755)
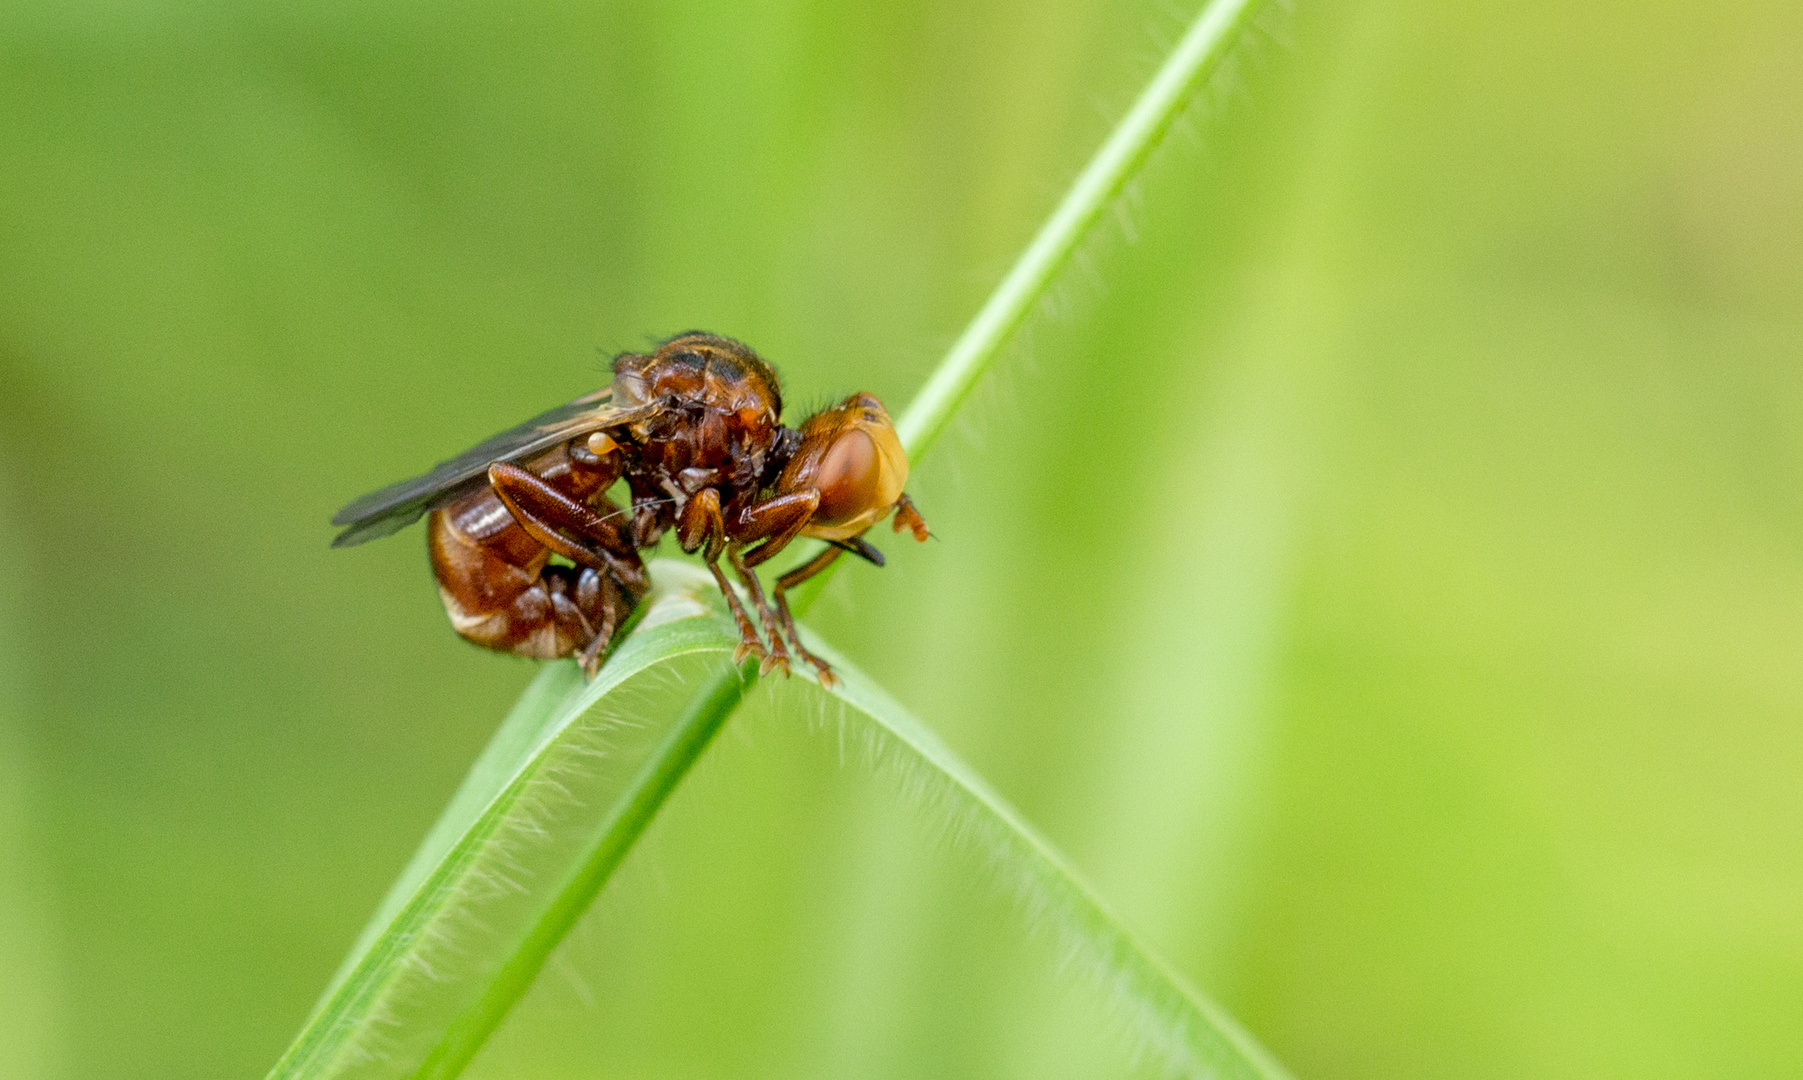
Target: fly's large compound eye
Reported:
point(851, 456)
point(849, 480)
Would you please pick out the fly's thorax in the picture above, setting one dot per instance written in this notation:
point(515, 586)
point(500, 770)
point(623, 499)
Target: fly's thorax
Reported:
point(713, 414)
point(701, 370)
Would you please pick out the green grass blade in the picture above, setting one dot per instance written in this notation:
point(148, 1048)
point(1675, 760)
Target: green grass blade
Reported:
point(450, 951)
point(632, 809)
point(474, 897)
point(1205, 45)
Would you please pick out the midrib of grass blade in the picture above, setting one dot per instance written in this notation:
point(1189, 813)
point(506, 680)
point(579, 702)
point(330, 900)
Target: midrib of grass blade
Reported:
point(355, 994)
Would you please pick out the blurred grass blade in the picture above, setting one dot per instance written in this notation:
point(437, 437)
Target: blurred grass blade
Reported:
point(1209, 39)
point(1186, 1033)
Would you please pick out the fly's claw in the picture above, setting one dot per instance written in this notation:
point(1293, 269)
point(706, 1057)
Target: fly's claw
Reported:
point(779, 656)
point(823, 671)
point(749, 647)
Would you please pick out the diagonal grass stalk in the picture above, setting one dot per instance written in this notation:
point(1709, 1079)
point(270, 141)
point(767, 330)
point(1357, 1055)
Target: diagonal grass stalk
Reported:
point(414, 999)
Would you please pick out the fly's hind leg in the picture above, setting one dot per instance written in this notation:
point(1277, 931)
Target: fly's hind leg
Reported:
point(499, 592)
point(573, 529)
point(611, 578)
point(605, 601)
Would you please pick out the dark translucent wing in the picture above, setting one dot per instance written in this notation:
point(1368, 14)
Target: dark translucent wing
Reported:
point(399, 505)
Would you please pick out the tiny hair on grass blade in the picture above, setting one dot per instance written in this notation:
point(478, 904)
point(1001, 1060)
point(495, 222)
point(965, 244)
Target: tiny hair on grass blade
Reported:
point(474, 893)
point(1164, 1016)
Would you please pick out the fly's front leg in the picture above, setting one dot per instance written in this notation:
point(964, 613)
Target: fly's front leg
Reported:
point(771, 525)
point(789, 581)
point(777, 519)
point(775, 522)
point(779, 656)
point(701, 527)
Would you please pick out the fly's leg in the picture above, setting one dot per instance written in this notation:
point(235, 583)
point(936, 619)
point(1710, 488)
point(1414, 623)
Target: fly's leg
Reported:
point(778, 656)
point(749, 645)
point(775, 522)
point(701, 527)
point(500, 594)
point(789, 581)
point(590, 657)
point(573, 529)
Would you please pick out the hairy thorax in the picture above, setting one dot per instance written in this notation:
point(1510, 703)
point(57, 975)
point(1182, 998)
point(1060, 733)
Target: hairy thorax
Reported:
point(720, 420)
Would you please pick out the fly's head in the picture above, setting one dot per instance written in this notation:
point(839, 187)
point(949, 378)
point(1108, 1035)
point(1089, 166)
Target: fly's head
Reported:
point(851, 455)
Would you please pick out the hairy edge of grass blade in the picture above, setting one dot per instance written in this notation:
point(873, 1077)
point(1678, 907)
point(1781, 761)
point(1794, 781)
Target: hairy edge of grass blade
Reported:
point(554, 701)
point(632, 810)
point(1209, 38)
point(1188, 1034)
point(390, 952)
point(1185, 1032)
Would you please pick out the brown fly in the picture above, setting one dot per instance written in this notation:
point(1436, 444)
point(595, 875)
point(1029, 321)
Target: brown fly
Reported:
point(694, 429)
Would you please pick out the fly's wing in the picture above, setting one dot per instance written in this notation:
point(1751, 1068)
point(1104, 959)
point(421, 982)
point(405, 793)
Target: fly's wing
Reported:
point(399, 505)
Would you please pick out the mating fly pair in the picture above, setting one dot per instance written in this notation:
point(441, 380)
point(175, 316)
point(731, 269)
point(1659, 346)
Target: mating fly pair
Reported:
point(695, 430)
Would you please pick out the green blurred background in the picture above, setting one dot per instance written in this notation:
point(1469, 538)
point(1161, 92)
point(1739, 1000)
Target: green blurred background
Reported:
point(1381, 569)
